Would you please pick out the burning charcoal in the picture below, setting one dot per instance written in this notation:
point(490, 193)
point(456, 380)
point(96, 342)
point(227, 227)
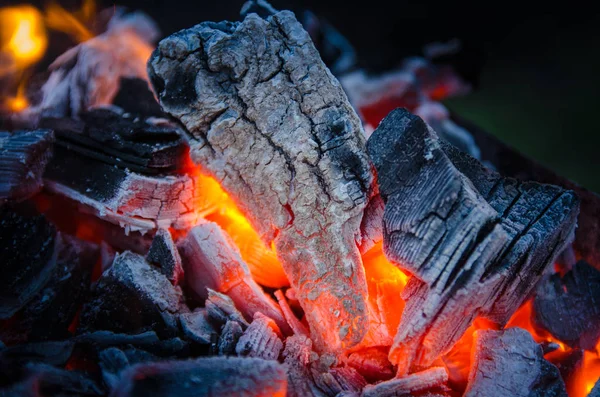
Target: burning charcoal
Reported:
point(568, 362)
point(23, 158)
point(214, 376)
point(196, 326)
point(45, 380)
point(339, 380)
point(596, 390)
point(268, 120)
point(228, 340)
point(510, 363)
point(408, 385)
point(220, 308)
point(262, 339)
point(372, 363)
point(163, 253)
point(132, 297)
point(569, 308)
point(297, 361)
point(27, 249)
point(49, 314)
point(135, 97)
point(211, 260)
point(293, 321)
point(474, 250)
point(89, 74)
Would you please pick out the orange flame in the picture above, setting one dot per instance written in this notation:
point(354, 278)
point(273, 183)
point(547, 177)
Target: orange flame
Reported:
point(72, 23)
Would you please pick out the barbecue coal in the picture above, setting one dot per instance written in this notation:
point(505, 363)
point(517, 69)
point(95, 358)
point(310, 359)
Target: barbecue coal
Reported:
point(274, 127)
point(204, 377)
point(372, 363)
point(408, 385)
point(569, 307)
point(261, 339)
point(511, 363)
point(476, 242)
point(164, 254)
point(152, 302)
point(196, 327)
point(23, 158)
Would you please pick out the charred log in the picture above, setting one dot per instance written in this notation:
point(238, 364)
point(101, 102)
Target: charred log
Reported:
point(204, 377)
point(132, 297)
point(211, 261)
point(477, 243)
point(511, 363)
point(272, 125)
point(569, 307)
point(23, 158)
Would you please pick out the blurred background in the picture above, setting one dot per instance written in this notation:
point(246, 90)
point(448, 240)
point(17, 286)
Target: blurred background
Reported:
point(535, 72)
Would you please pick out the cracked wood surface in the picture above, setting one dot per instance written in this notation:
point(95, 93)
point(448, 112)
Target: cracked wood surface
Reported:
point(268, 120)
point(476, 243)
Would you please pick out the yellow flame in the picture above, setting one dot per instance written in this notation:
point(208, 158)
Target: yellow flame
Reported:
point(71, 23)
point(23, 36)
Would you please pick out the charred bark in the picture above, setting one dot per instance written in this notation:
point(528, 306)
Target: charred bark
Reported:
point(273, 126)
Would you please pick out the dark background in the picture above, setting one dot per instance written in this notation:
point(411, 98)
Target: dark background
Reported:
point(536, 70)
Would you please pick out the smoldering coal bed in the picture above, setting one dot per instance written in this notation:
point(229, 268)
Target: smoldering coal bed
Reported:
point(241, 211)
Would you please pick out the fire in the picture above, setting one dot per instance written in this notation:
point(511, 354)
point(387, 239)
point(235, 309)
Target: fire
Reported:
point(22, 35)
point(74, 24)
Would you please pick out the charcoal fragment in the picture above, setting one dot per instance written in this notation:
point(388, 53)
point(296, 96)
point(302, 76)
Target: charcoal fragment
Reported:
point(228, 340)
point(164, 254)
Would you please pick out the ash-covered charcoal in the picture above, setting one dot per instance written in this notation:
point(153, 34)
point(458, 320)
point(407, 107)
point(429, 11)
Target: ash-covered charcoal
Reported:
point(112, 362)
point(132, 297)
point(50, 312)
point(135, 97)
point(214, 376)
point(474, 250)
point(45, 380)
point(511, 363)
point(230, 335)
point(211, 260)
point(220, 308)
point(23, 158)
point(27, 249)
point(196, 327)
point(339, 380)
point(408, 385)
point(268, 120)
point(297, 359)
point(261, 339)
point(372, 363)
point(164, 254)
point(295, 324)
point(88, 75)
point(569, 307)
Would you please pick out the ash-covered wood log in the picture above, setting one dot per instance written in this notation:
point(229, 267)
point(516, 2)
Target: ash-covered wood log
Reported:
point(23, 159)
point(268, 120)
point(477, 243)
point(510, 363)
point(569, 307)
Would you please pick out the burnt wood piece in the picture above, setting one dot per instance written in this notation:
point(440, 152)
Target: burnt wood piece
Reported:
point(510, 162)
point(408, 385)
point(196, 327)
point(132, 297)
point(147, 146)
point(297, 358)
point(23, 158)
point(372, 363)
point(50, 312)
point(511, 363)
point(268, 121)
point(27, 249)
point(135, 97)
point(211, 260)
point(261, 339)
point(88, 74)
point(569, 307)
point(134, 201)
point(477, 243)
point(46, 380)
point(214, 376)
point(164, 254)
point(228, 340)
point(220, 308)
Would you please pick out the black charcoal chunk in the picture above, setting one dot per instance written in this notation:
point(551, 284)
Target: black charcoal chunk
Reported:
point(135, 97)
point(132, 297)
point(196, 327)
point(569, 307)
point(164, 254)
point(228, 340)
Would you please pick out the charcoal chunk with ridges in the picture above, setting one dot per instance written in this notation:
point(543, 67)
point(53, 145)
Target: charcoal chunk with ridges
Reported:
point(261, 339)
